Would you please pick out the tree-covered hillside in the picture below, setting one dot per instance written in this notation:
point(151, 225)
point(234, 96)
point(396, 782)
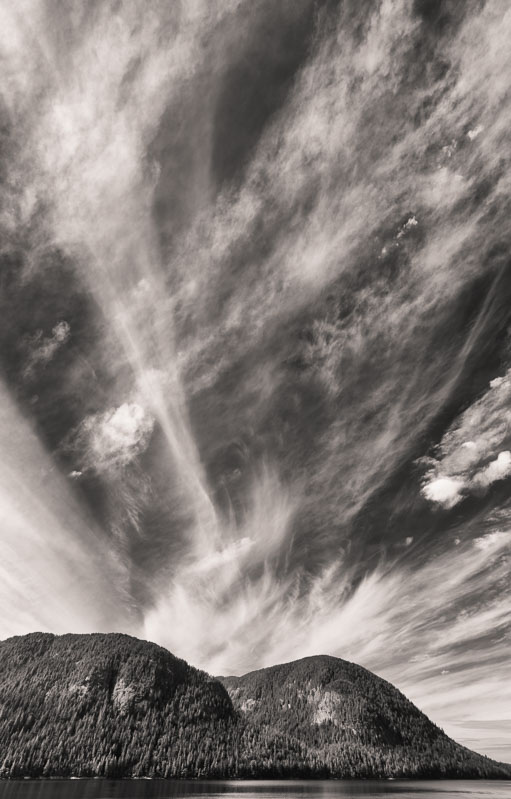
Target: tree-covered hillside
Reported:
point(325, 715)
point(114, 706)
point(108, 705)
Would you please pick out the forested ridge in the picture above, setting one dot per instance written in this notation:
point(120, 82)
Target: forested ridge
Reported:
point(335, 718)
point(110, 705)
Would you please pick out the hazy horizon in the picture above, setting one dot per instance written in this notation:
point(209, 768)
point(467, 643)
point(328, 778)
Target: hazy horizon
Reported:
point(255, 350)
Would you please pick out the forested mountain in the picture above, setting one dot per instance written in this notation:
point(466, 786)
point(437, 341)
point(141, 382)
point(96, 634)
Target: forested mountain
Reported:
point(325, 715)
point(108, 705)
point(111, 705)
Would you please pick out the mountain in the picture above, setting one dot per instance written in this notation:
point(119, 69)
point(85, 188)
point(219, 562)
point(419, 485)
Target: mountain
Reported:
point(111, 705)
point(335, 718)
point(108, 705)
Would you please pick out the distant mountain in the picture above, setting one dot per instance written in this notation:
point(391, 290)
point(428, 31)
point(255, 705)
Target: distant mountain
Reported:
point(111, 705)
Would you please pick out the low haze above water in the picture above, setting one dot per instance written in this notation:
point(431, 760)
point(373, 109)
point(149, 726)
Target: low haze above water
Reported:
point(262, 789)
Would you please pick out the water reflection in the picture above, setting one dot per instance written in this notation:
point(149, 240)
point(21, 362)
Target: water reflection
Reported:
point(268, 789)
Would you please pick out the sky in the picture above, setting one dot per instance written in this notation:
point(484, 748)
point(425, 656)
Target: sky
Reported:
point(255, 343)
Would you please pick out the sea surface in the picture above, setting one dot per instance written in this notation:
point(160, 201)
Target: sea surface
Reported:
point(267, 789)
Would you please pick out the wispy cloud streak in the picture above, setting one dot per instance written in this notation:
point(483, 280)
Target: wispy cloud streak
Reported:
point(265, 248)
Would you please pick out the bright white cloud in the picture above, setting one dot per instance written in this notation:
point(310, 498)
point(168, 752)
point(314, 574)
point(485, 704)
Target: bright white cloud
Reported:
point(408, 225)
point(498, 469)
point(445, 491)
point(471, 456)
point(114, 438)
point(473, 134)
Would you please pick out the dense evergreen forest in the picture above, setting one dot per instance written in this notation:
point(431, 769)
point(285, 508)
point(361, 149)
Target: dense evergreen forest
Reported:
point(323, 715)
point(114, 706)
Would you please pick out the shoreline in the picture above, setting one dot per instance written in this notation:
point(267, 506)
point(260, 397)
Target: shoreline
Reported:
point(272, 780)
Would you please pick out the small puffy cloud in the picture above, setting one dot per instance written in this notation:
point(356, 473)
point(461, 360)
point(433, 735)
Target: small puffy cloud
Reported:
point(408, 225)
point(473, 134)
point(473, 453)
point(41, 349)
point(113, 439)
point(444, 491)
point(498, 469)
point(450, 149)
point(60, 332)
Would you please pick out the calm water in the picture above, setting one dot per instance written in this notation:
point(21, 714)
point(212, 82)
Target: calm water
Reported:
point(270, 789)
